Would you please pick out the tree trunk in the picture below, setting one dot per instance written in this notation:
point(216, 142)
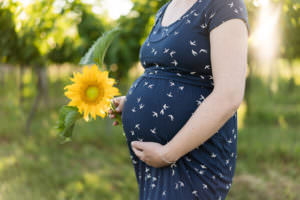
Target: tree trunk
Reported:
point(270, 79)
point(292, 83)
point(38, 71)
point(248, 89)
point(2, 77)
point(21, 84)
point(44, 86)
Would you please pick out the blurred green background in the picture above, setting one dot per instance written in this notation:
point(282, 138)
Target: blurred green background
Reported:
point(41, 43)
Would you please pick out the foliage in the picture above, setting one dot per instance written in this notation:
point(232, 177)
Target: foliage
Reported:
point(68, 115)
point(42, 37)
point(97, 51)
point(135, 27)
point(9, 38)
point(291, 29)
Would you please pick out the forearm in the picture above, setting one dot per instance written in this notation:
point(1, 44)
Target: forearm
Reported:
point(207, 119)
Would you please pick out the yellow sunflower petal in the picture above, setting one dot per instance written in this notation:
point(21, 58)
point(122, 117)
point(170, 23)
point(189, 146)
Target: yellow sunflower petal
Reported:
point(79, 92)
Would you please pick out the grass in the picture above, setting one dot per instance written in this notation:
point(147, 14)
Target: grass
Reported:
point(96, 164)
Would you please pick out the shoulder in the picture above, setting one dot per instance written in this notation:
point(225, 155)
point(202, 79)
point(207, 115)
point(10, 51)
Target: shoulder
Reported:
point(219, 11)
point(225, 4)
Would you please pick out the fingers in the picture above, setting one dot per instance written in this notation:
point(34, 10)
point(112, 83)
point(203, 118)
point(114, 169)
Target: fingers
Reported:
point(116, 100)
point(113, 101)
point(115, 123)
point(111, 116)
point(138, 145)
point(121, 104)
point(138, 153)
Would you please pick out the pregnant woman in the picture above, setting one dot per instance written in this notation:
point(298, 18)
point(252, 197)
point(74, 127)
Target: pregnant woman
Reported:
point(180, 115)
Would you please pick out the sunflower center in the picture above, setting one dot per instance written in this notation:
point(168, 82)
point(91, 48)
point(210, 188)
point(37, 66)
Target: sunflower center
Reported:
point(92, 93)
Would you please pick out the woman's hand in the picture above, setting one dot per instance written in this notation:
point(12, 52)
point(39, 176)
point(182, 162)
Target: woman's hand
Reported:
point(119, 103)
point(152, 153)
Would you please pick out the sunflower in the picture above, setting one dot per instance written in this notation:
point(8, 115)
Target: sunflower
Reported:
point(91, 92)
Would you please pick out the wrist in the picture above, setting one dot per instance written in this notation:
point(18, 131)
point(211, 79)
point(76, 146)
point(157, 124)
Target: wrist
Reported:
point(168, 154)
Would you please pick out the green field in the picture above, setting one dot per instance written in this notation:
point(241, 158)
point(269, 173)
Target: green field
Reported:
point(96, 164)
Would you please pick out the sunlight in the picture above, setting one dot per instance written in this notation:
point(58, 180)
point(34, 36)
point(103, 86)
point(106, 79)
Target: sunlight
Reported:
point(265, 37)
point(25, 2)
point(114, 8)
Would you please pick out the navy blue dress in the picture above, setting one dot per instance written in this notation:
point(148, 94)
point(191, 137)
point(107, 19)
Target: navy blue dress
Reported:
point(176, 80)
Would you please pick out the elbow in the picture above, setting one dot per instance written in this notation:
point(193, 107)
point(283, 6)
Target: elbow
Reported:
point(232, 98)
point(236, 100)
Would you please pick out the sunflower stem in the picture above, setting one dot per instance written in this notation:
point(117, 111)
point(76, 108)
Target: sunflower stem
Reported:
point(117, 114)
point(118, 118)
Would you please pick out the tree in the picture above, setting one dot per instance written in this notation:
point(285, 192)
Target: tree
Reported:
point(124, 51)
point(38, 27)
point(290, 35)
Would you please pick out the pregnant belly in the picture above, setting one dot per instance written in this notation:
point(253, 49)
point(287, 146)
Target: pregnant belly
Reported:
point(156, 108)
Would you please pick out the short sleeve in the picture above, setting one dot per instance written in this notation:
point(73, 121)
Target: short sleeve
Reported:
point(219, 11)
point(159, 12)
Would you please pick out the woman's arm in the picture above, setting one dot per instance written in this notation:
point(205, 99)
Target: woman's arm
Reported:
point(229, 46)
point(228, 43)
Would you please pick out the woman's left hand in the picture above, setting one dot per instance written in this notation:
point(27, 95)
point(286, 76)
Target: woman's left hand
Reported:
point(152, 153)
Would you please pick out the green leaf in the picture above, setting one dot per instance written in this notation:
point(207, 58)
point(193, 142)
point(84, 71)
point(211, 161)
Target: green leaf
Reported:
point(96, 53)
point(71, 118)
point(87, 59)
point(68, 132)
point(68, 116)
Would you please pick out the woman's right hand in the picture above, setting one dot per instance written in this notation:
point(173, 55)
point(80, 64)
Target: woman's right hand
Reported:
point(118, 103)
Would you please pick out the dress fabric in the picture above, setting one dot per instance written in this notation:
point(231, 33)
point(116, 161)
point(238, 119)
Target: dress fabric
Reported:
point(176, 80)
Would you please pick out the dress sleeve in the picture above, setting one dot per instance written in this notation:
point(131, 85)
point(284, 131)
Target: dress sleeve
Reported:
point(219, 11)
point(157, 15)
point(159, 12)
